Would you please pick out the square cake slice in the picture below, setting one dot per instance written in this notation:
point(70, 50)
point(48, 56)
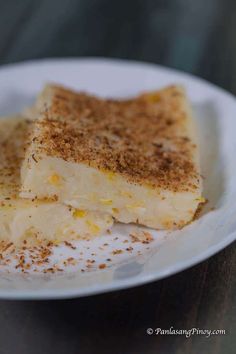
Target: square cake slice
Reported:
point(136, 159)
point(33, 220)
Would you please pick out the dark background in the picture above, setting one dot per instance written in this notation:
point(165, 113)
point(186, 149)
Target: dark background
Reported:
point(197, 36)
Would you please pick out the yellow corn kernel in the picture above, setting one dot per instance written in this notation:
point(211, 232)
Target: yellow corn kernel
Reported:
point(78, 213)
point(152, 97)
point(136, 208)
point(139, 204)
point(106, 201)
point(201, 199)
point(54, 179)
point(95, 229)
point(115, 210)
point(111, 176)
point(6, 207)
point(167, 224)
point(57, 241)
point(126, 194)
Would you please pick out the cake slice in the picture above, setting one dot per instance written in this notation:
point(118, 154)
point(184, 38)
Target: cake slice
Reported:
point(136, 159)
point(33, 220)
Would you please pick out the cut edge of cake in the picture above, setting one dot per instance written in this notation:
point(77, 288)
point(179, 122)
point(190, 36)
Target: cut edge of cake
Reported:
point(83, 181)
point(32, 220)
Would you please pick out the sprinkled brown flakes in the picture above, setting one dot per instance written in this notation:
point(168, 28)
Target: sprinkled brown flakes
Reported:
point(141, 236)
point(11, 155)
point(102, 266)
point(7, 246)
point(26, 257)
point(68, 244)
point(90, 261)
point(129, 249)
point(143, 139)
point(117, 252)
point(21, 263)
point(89, 265)
point(49, 270)
point(33, 157)
point(199, 209)
point(147, 237)
point(71, 261)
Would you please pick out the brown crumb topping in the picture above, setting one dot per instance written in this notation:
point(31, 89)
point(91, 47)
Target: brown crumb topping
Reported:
point(31, 257)
point(102, 266)
point(13, 135)
point(145, 139)
point(141, 236)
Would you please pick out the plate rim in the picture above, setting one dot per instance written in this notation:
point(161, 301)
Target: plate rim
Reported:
point(120, 61)
point(49, 294)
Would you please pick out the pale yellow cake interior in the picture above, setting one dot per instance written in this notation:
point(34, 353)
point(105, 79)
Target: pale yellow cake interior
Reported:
point(136, 159)
point(33, 219)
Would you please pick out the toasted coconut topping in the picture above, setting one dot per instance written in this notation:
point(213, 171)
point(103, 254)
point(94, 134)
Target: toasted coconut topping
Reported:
point(11, 156)
point(145, 139)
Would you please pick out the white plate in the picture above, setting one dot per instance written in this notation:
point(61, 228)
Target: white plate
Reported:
point(215, 112)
